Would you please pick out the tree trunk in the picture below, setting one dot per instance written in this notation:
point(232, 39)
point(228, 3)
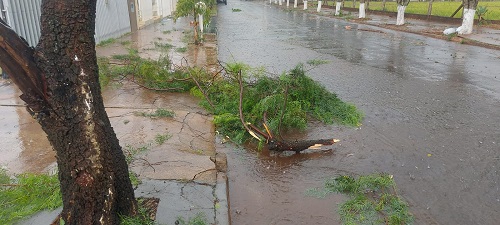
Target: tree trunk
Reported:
point(429, 9)
point(468, 18)
point(337, 7)
point(400, 19)
point(60, 84)
point(402, 4)
point(362, 9)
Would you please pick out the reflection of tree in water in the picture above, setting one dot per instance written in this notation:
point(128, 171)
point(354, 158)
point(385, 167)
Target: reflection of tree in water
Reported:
point(396, 61)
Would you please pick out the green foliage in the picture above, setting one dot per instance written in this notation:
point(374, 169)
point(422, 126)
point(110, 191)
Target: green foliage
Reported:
point(287, 100)
point(126, 43)
point(481, 13)
point(236, 10)
point(439, 8)
point(106, 42)
point(108, 72)
point(199, 219)
point(159, 113)
point(153, 74)
point(317, 62)
point(181, 49)
point(131, 152)
point(156, 74)
point(372, 200)
point(194, 8)
point(142, 218)
point(161, 138)
point(27, 194)
point(164, 47)
point(188, 8)
point(134, 179)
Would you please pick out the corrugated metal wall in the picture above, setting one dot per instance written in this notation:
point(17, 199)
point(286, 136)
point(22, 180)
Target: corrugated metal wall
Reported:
point(111, 19)
point(24, 17)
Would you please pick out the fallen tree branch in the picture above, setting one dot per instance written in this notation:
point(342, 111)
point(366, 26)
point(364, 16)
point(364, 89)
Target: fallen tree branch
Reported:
point(202, 91)
point(298, 146)
point(240, 108)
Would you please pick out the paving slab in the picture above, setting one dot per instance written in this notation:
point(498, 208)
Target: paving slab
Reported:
point(179, 200)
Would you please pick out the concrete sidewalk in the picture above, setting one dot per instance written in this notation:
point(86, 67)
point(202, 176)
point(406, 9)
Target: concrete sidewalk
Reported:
point(185, 172)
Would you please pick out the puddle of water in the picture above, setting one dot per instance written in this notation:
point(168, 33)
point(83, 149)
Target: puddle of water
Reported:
point(24, 147)
point(269, 188)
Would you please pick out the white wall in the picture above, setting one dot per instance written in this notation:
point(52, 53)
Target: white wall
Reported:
point(165, 7)
point(145, 10)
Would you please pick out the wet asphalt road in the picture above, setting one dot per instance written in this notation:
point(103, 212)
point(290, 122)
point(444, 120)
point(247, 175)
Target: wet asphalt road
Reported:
point(432, 118)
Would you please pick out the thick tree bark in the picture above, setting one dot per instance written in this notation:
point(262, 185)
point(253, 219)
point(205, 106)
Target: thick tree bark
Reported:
point(338, 4)
point(60, 85)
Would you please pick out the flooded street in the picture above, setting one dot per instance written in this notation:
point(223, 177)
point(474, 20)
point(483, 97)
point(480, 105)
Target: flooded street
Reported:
point(24, 146)
point(432, 115)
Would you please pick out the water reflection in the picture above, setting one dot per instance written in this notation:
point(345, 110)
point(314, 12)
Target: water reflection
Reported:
point(24, 146)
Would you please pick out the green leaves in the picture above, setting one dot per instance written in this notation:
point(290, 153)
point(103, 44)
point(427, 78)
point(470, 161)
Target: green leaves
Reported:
point(287, 101)
point(27, 194)
point(373, 200)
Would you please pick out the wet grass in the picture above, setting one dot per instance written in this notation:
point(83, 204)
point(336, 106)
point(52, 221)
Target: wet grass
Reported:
point(444, 9)
point(143, 217)
point(317, 62)
point(155, 74)
point(106, 42)
point(158, 113)
point(199, 219)
point(372, 200)
point(27, 194)
point(181, 49)
point(164, 47)
point(161, 138)
point(126, 43)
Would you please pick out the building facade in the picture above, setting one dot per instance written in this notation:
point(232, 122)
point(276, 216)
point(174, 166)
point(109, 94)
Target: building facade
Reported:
point(114, 18)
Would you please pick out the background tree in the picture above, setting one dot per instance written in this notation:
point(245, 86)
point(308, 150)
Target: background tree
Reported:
point(59, 82)
point(468, 17)
point(402, 4)
point(362, 13)
point(192, 8)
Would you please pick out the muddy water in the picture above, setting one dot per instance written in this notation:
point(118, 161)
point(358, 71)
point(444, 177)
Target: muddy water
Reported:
point(166, 32)
point(24, 146)
point(432, 118)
